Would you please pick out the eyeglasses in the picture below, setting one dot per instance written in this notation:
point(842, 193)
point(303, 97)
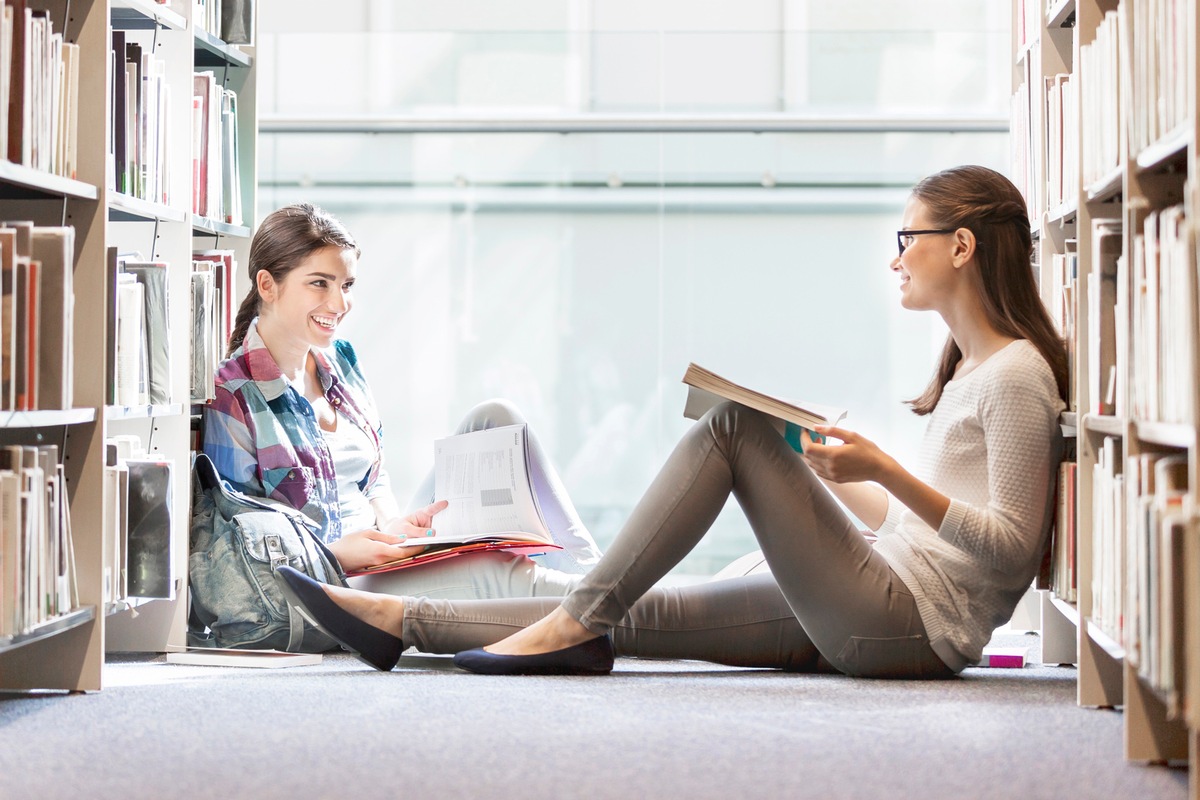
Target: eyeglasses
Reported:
point(904, 239)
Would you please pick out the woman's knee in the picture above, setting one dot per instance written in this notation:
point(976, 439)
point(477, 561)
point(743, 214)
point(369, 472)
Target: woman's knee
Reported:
point(728, 418)
point(494, 413)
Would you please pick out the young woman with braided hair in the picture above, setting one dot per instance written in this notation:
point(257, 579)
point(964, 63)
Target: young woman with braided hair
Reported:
point(958, 540)
point(294, 419)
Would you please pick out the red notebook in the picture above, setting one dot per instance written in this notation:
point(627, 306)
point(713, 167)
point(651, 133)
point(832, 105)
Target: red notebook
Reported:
point(452, 551)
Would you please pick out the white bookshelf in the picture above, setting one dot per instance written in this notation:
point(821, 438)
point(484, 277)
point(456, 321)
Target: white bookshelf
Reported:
point(1120, 666)
point(68, 651)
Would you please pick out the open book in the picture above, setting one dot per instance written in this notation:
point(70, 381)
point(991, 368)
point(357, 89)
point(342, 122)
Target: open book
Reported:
point(484, 475)
point(706, 389)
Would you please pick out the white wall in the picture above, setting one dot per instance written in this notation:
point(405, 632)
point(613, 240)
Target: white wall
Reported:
point(505, 265)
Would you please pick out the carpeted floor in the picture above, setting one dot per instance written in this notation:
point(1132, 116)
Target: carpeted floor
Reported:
point(652, 729)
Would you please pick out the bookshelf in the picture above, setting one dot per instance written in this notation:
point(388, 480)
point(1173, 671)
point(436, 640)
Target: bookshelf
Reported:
point(1105, 119)
point(67, 652)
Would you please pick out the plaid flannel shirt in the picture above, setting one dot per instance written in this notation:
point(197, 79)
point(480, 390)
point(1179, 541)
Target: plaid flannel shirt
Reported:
point(264, 439)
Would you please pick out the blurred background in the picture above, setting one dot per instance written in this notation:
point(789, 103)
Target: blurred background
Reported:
point(563, 202)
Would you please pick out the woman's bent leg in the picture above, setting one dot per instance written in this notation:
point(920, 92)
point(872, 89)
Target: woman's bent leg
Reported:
point(476, 576)
point(579, 551)
point(844, 595)
point(741, 622)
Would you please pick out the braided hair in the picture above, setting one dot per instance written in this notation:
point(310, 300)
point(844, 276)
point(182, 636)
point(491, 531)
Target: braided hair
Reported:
point(283, 240)
point(986, 203)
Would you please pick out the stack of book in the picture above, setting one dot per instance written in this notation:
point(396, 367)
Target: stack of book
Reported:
point(1100, 121)
point(1163, 306)
point(1062, 176)
point(231, 21)
point(138, 492)
point(39, 91)
point(1159, 45)
point(212, 317)
point(1158, 527)
point(1108, 538)
point(216, 181)
point(36, 312)
point(139, 363)
point(1064, 579)
point(37, 557)
point(139, 148)
point(1064, 282)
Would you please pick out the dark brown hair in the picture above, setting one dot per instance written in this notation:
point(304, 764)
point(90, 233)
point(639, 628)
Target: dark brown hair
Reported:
point(284, 239)
point(986, 203)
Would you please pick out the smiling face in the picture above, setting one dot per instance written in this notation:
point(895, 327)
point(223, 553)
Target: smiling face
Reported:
point(307, 306)
point(926, 268)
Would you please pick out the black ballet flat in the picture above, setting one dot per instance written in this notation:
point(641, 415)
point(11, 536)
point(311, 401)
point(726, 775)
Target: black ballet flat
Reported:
point(593, 657)
point(369, 644)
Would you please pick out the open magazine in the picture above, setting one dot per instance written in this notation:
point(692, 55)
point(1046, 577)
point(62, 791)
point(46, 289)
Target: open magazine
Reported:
point(484, 476)
point(706, 389)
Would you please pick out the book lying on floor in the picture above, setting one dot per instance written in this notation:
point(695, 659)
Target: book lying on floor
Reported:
point(706, 389)
point(223, 657)
point(484, 476)
point(1003, 657)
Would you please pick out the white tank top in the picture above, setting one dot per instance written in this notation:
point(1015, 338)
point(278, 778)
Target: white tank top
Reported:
point(353, 454)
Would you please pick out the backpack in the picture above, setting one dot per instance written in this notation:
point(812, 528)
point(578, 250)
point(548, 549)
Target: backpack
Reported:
point(235, 544)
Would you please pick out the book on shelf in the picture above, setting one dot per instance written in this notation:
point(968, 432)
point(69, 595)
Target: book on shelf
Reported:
point(40, 91)
point(257, 659)
point(1158, 53)
point(237, 21)
point(139, 490)
point(706, 389)
point(1099, 71)
point(23, 378)
point(231, 181)
point(36, 316)
point(148, 559)
point(138, 342)
point(217, 194)
point(231, 21)
point(1064, 278)
point(1063, 581)
point(1153, 632)
point(37, 557)
point(206, 349)
point(54, 250)
point(1106, 304)
point(155, 343)
point(224, 268)
point(116, 493)
point(140, 154)
point(1163, 303)
point(484, 476)
point(1109, 538)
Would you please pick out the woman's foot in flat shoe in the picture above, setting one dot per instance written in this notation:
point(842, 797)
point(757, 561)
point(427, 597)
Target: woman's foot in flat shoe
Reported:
point(557, 630)
point(318, 603)
point(593, 657)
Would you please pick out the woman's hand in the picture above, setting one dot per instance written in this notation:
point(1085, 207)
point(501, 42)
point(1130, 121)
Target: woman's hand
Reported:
point(855, 459)
point(370, 548)
point(417, 524)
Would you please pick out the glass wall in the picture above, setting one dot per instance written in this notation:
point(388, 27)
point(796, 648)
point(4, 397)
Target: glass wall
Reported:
point(630, 219)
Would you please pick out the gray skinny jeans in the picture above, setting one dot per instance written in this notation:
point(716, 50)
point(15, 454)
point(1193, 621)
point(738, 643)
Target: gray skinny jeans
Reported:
point(830, 602)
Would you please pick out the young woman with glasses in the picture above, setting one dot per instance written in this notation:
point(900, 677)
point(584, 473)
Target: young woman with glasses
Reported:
point(959, 538)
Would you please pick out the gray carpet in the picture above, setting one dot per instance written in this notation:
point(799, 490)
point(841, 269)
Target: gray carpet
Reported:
point(652, 729)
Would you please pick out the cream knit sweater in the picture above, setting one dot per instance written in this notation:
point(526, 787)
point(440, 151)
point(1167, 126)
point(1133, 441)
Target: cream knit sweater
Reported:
point(989, 447)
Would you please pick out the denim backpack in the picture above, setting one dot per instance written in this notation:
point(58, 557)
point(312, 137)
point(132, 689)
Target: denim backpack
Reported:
point(236, 543)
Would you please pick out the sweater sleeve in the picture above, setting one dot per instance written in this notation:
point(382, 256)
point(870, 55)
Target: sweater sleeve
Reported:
point(1018, 412)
